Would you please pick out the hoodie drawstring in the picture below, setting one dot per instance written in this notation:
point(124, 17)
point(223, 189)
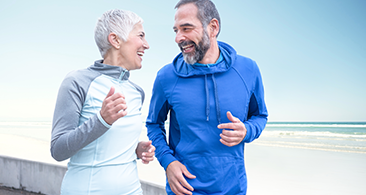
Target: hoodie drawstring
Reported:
point(207, 100)
point(216, 99)
point(218, 114)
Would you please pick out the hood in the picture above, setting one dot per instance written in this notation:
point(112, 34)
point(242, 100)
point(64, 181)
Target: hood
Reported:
point(183, 69)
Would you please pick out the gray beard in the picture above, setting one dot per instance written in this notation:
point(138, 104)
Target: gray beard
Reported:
point(200, 50)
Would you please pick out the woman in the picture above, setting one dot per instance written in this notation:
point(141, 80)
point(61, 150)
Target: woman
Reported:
point(97, 119)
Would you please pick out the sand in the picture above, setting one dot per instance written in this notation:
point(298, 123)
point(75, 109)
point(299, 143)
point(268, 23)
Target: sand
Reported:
point(270, 169)
point(279, 170)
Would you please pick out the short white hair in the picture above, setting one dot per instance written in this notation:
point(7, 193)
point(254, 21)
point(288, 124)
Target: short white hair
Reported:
point(117, 21)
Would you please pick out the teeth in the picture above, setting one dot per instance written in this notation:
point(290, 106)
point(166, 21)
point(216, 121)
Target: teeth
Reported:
point(140, 53)
point(184, 47)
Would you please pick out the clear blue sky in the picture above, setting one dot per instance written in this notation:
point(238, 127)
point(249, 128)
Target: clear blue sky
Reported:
point(312, 53)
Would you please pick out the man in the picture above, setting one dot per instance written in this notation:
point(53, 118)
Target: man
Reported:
point(216, 103)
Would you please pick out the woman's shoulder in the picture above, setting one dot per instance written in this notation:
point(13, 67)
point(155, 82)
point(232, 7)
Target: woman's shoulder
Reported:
point(81, 76)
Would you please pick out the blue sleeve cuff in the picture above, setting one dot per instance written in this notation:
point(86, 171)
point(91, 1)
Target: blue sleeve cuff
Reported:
point(166, 160)
point(248, 135)
point(102, 121)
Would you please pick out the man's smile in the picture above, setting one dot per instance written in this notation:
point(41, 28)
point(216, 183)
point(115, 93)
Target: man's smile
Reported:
point(188, 48)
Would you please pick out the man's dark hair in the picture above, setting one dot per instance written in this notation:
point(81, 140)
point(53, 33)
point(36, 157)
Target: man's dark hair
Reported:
point(206, 11)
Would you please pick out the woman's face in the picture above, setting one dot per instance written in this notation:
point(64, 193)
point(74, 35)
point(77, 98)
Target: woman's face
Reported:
point(132, 50)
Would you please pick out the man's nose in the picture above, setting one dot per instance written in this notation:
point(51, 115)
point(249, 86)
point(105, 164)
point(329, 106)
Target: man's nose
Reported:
point(179, 37)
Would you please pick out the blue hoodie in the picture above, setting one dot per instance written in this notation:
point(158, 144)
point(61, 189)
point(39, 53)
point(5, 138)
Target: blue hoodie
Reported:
point(197, 99)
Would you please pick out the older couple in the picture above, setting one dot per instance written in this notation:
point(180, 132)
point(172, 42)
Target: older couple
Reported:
point(215, 98)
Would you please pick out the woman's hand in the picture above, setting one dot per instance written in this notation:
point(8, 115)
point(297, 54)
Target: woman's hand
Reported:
point(145, 151)
point(114, 107)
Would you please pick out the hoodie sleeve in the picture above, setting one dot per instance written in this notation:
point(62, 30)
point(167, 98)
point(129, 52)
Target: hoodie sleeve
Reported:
point(257, 113)
point(158, 111)
point(68, 137)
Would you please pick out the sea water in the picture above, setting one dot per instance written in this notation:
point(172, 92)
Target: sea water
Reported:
point(333, 136)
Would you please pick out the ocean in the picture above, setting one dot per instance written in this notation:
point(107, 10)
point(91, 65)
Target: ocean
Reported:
point(332, 136)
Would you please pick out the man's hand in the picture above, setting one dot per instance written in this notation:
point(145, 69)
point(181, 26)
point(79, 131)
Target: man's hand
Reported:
point(234, 137)
point(175, 173)
point(113, 107)
point(145, 151)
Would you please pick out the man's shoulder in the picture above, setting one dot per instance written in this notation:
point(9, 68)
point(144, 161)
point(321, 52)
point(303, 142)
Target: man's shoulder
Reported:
point(166, 76)
point(166, 70)
point(246, 65)
point(244, 59)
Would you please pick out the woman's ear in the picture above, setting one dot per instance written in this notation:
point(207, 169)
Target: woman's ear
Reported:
point(114, 40)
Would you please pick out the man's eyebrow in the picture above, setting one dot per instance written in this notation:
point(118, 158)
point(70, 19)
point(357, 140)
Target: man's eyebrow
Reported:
point(185, 25)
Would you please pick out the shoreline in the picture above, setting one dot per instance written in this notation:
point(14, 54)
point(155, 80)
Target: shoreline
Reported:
point(261, 143)
point(270, 169)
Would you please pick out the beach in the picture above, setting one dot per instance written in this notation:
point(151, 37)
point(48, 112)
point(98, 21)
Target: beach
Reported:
point(271, 169)
point(281, 170)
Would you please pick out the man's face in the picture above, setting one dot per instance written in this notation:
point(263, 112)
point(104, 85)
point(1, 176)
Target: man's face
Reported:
point(191, 37)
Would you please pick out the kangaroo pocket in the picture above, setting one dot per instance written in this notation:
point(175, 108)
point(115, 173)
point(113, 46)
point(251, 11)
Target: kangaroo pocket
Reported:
point(217, 175)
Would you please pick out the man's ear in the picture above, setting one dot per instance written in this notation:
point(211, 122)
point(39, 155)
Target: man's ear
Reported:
point(213, 27)
point(114, 40)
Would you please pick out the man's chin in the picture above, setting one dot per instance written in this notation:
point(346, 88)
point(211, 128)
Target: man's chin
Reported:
point(189, 59)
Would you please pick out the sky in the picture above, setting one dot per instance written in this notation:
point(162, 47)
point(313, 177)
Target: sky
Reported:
point(311, 53)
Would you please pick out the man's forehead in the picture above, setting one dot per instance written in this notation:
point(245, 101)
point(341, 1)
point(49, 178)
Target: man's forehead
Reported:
point(187, 10)
point(186, 15)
